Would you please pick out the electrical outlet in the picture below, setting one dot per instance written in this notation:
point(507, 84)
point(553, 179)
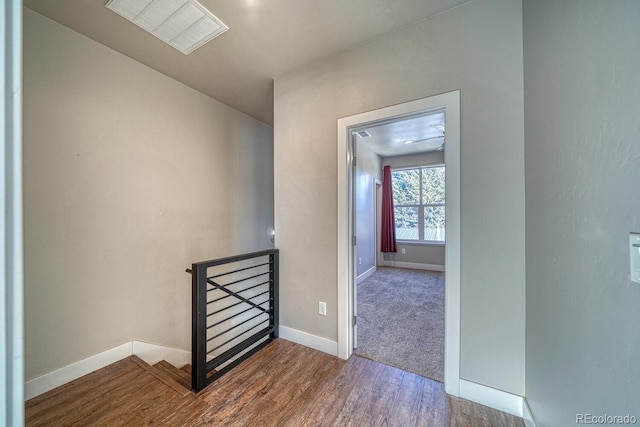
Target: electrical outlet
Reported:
point(322, 308)
point(404, 250)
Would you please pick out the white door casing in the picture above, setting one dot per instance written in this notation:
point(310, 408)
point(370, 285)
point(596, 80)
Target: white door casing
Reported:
point(450, 102)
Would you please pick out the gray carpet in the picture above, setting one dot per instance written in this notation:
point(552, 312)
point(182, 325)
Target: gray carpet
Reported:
point(401, 320)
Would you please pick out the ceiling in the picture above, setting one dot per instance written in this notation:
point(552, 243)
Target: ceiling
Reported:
point(266, 39)
point(406, 136)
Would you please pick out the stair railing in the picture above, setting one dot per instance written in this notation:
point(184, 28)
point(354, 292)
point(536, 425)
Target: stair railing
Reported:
point(234, 312)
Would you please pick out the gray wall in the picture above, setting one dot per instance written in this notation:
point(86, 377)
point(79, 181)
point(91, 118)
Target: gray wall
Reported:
point(129, 177)
point(476, 48)
point(368, 169)
point(416, 253)
point(582, 115)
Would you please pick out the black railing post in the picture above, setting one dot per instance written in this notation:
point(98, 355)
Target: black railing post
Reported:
point(274, 279)
point(199, 327)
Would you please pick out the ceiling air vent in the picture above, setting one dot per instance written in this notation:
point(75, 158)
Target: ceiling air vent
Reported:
point(363, 134)
point(184, 24)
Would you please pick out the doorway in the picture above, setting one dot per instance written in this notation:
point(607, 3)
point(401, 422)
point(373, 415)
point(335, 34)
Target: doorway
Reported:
point(399, 300)
point(450, 104)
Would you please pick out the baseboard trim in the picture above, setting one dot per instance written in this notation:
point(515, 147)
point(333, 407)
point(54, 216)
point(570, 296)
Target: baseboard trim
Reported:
point(494, 398)
point(366, 274)
point(309, 340)
point(414, 265)
point(527, 415)
point(153, 353)
point(46, 382)
point(150, 353)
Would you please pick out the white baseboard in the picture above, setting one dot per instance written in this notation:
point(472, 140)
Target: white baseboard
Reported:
point(414, 265)
point(491, 397)
point(153, 353)
point(366, 274)
point(309, 340)
point(44, 383)
point(527, 416)
point(150, 353)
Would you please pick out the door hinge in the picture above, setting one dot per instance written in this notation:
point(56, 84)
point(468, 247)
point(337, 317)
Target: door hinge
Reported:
point(355, 320)
point(353, 161)
point(353, 241)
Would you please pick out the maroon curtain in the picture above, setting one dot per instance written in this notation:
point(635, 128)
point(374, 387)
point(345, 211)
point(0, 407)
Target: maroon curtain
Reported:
point(388, 226)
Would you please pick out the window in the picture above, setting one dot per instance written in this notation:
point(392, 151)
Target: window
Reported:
point(418, 198)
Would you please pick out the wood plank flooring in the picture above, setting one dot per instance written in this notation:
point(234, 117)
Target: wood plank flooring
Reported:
point(285, 384)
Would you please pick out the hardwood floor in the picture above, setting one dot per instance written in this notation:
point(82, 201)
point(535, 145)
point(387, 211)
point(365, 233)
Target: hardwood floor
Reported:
point(285, 384)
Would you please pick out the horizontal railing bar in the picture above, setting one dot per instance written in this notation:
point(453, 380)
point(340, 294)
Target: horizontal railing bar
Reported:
point(268, 313)
point(231, 259)
point(237, 326)
point(239, 270)
point(238, 314)
point(251, 303)
point(239, 292)
point(238, 281)
point(236, 337)
point(228, 354)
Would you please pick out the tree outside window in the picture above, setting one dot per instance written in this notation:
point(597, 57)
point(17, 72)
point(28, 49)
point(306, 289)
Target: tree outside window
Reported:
point(419, 203)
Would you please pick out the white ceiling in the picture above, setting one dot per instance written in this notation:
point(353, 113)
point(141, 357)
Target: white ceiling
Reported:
point(426, 133)
point(266, 39)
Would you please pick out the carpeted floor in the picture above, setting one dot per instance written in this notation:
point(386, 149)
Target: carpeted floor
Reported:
point(401, 320)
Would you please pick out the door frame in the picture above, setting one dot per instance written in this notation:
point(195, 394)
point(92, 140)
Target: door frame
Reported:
point(11, 230)
point(450, 102)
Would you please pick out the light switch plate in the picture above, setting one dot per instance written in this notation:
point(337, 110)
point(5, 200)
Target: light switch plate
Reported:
point(634, 257)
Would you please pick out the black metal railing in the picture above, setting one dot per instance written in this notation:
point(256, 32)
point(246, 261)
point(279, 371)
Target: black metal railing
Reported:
point(235, 312)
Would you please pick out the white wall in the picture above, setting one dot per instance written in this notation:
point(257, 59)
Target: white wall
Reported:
point(129, 177)
point(476, 48)
point(582, 104)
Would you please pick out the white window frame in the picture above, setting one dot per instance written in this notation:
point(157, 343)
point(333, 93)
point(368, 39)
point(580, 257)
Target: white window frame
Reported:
point(421, 208)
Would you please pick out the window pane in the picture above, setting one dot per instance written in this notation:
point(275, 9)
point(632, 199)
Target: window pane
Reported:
point(406, 187)
point(406, 223)
point(433, 185)
point(434, 223)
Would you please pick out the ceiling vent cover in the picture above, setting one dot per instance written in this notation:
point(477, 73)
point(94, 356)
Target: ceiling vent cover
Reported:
point(184, 24)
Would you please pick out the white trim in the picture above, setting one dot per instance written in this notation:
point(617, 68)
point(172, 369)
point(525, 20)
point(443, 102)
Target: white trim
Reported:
point(11, 229)
point(74, 371)
point(450, 101)
point(150, 353)
point(153, 353)
point(492, 397)
point(414, 265)
point(366, 274)
point(527, 415)
point(309, 340)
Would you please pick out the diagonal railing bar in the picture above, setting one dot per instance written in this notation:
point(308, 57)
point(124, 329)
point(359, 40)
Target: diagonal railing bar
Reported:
point(244, 290)
point(234, 294)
